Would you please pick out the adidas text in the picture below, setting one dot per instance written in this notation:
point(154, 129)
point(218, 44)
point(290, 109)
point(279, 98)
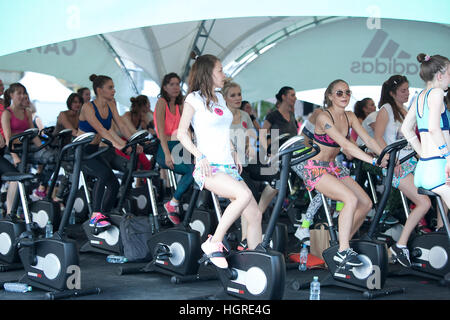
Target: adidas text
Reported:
point(384, 67)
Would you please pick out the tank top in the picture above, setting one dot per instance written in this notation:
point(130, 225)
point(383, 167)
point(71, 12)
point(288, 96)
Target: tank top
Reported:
point(85, 126)
point(422, 120)
point(171, 121)
point(18, 125)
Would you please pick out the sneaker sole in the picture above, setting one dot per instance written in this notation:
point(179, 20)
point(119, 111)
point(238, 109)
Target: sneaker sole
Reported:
point(339, 260)
point(394, 254)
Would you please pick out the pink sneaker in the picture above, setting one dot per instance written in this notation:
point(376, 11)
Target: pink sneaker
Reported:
point(98, 220)
point(172, 213)
point(214, 251)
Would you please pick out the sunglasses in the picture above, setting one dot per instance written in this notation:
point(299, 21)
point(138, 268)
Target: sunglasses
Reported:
point(340, 93)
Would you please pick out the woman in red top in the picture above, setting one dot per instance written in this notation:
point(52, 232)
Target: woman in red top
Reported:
point(168, 113)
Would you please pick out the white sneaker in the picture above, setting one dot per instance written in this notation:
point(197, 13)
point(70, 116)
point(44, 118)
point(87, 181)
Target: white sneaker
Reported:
point(302, 234)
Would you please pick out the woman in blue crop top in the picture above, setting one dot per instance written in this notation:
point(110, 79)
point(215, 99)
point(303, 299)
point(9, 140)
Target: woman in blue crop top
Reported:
point(321, 172)
point(428, 111)
point(97, 116)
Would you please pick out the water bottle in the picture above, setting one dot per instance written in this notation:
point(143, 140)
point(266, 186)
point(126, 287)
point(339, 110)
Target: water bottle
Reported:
point(314, 289)
point(303, 258)
point(116, 259)
point(49, 230)
point(17, 287)
point(72, 217)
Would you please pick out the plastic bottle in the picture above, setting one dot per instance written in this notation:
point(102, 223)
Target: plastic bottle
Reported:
point(314, 289)
point(17, 287)
point(49, 230)
point(72, 217)
point(303, 258)
point(116, 259)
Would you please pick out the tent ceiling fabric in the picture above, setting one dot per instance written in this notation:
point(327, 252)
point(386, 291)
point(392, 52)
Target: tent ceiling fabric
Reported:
point(159, 50)
point(37, 23)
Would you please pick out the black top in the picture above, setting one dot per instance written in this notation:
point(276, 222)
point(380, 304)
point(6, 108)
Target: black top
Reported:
point(277, 121)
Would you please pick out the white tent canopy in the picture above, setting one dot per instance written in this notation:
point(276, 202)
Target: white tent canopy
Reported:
point(263, 44)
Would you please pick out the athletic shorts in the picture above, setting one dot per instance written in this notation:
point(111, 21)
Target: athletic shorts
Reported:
point(430, 173)
point(229, 169)
point(407, 167)
point(311, 171)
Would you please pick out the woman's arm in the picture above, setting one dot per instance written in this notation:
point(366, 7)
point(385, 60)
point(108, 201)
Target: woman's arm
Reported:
point(62, 118)
point(370, 142)
point(408, 130)
point(380, 127)
point(127, 132)
point(6, 126)
point(87, 112)
point(324, 123)
point(263, 141)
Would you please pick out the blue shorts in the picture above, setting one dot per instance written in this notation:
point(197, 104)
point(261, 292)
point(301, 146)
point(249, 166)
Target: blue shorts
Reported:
point(430, 173)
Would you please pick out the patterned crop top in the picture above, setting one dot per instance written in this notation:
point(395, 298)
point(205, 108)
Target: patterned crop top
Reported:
point(326, 140)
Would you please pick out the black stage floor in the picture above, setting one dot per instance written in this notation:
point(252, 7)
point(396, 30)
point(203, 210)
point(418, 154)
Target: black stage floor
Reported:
point(96, 272)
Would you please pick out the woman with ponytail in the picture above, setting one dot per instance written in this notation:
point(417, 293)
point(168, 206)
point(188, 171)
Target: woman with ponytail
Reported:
point(429, 112)
point(97, 116)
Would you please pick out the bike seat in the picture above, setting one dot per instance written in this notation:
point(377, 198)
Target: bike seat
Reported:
point(17, 176)
point(426, 192)
point(145, 174)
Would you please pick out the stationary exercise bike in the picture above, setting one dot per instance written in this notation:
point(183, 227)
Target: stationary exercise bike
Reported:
point(175, 251)
point(52, 263)
point(11, 226)
point(109, 241)
point(371, 276)
point(261, 273)
point(430, 253)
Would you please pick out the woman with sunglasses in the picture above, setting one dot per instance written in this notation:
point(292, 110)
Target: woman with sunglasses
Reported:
point(332, 132)
point(394, 93)
point(429, 112)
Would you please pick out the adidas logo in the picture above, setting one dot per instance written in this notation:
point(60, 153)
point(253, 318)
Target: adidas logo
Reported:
point(381, 58)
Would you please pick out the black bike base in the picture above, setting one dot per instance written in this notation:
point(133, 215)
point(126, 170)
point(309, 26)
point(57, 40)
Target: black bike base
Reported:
point(10, 267)
point(56, 295)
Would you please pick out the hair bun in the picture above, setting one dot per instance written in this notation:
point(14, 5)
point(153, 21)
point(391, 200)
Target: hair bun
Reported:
point(193, 55)
point(133, 99)
point(421, 57)
point(92, 77)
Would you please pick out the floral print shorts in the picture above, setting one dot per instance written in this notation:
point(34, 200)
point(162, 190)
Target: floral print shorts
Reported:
point(229, 169)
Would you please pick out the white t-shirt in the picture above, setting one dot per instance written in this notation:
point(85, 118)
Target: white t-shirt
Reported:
point(392, 132)
point(238, 136)
point(212, 128)
point(366, 125)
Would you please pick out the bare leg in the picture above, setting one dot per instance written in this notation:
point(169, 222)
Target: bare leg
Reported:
point(242, 202)
point(335, 189)
point(12, 189)
point(422, 203)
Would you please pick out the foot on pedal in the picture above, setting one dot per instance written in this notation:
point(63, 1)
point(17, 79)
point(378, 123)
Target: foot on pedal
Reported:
point(347, 259)
point(99, 222)
point(401, 255)
point(214, 253)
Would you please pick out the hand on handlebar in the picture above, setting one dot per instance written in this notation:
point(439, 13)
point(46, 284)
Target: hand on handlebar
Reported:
point(384, 161)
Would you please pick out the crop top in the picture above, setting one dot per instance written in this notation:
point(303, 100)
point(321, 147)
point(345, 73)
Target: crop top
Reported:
point(422, 120)
point(326, 140)
point(85, 126)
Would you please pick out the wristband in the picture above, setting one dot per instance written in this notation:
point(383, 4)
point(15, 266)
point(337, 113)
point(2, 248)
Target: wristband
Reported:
point(200, 158)
point(374, 161)
point(442, 147)
point(446, 155)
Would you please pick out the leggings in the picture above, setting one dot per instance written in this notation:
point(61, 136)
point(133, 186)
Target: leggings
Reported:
point(184, 169)
point(106, 187)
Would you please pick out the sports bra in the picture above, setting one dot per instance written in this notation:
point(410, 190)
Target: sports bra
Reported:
point(85, 126)
point(325, 139)
point(422, 120)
